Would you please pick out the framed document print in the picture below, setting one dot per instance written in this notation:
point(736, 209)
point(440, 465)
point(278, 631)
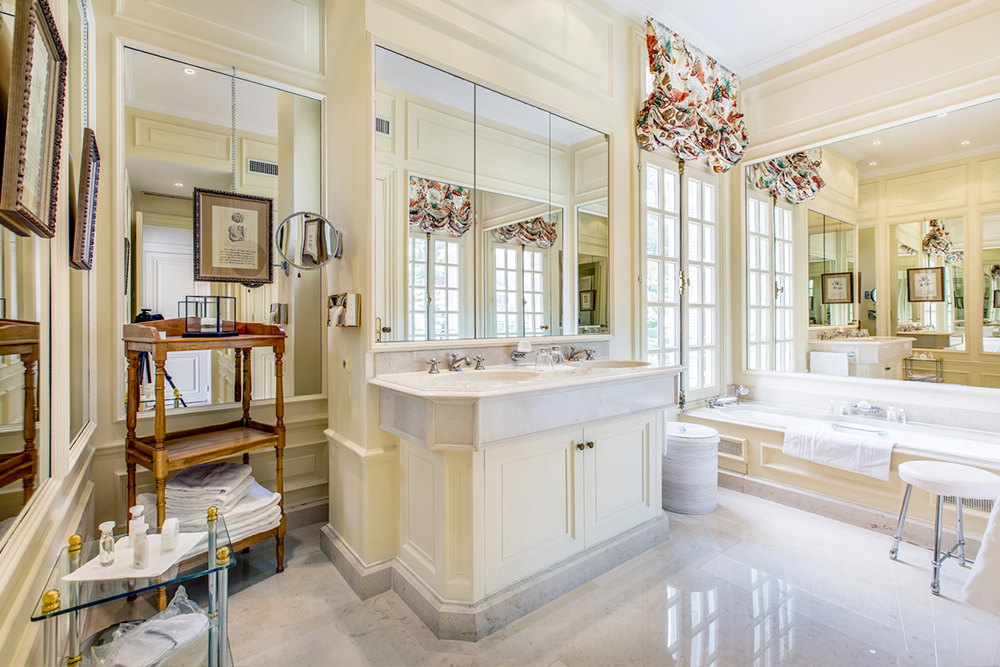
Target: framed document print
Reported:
point(85, 216)
point(232, 237)
point(837, 287)
point(29, 193)
point(587, 299)
point(923, 285)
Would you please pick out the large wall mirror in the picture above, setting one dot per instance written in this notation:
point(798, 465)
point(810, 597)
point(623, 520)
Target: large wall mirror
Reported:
point(190, 127)
point(905, 236)
point(24, 358)
point(491, 214)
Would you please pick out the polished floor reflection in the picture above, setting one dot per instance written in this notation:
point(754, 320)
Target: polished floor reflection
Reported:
point(754, 583)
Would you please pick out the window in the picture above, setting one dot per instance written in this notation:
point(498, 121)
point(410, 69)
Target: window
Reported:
point(434, 282)
point(771, 326)
point(680, 273)
point(519, 303)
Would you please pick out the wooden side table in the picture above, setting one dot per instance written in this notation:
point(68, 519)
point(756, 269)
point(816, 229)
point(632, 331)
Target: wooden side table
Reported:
point(22, 337)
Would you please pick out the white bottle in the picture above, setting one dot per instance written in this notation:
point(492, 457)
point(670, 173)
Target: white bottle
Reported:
point(140, 551)
point(890, 413)
point(844, 409)
point(135, 524)
point(901, 416)
point(107, 545)
point(833, 408)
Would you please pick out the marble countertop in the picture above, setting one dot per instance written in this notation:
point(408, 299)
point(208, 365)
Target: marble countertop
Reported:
point(466, 385)
point(969, 446)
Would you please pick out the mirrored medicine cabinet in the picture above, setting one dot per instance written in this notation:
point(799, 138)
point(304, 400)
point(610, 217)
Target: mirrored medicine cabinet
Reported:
point(906, 214)
point(491, 214)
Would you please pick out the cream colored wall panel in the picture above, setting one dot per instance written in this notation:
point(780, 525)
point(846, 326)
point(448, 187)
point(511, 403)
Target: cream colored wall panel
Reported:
point(180, 143)
point(259, 150)
point(991, 380)
point(989, 181)
point(459, 520)
point(590, 171)
point(840, 195)
point(924, 193)
point(385, 106)
point(576, 50)
point(289, 33)
point(869, 195)
point(443, 142)
point(420, 506)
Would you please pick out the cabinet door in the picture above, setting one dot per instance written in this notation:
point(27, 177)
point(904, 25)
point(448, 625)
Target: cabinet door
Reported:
point(621, 476)
point(534, 491)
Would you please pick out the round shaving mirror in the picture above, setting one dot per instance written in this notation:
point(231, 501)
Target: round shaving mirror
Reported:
point(308, 241)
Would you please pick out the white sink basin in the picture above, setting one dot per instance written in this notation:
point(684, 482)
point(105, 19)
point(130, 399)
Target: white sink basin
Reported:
point(609, 363)
point(481, 380)
point(874, 349)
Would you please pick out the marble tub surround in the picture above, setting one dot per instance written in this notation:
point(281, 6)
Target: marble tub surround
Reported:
point(409, 361)
point(785, 585)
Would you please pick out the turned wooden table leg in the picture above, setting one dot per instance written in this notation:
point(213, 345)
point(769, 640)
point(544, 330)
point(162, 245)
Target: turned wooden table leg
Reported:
point(30, 373)
point(247, 386)
point(279, 427)
point(132, 391)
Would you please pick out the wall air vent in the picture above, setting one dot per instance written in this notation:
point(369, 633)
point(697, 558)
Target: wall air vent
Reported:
point(255, 166)
point(972, 503)
point(383, 126)
point(165, 196)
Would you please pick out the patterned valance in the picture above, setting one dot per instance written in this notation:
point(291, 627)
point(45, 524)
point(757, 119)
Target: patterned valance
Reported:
point(439, 207)
point(692, 108)
point(937, 243)
point(906, 250)
point(794, 177)
point(995, 271)
point(537, 231)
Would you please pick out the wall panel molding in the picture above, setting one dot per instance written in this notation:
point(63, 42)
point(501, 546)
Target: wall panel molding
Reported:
point(933, 190)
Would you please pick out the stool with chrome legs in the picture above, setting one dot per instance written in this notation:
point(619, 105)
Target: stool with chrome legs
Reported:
point(944, 479)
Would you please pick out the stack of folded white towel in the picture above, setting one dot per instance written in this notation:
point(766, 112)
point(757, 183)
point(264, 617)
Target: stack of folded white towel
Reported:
point(248, 508)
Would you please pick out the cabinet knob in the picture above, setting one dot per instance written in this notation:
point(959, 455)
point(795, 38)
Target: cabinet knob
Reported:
point(580, 446)
point(386, 329)
point(590, 445)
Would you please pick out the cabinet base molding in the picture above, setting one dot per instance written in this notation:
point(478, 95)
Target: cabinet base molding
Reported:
point(473, 621)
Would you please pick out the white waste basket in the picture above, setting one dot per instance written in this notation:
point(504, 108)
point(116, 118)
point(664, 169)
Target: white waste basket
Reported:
point(690, 469)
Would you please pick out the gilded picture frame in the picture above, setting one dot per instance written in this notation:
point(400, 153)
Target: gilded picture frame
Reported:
point(233, 237)
point(33, 138)
point(837, 287)
point(84, 219)
point(925, 285)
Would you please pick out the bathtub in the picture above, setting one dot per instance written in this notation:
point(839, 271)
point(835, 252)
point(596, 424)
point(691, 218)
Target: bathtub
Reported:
point(978, 448)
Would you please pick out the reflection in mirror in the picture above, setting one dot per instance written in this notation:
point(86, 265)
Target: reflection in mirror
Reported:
point(277, 155)
point(307, 240)
point(831, 271)
point(916, 193)
point(79, 281)
point(505, 233)
point(24, 370)
point(928, 295)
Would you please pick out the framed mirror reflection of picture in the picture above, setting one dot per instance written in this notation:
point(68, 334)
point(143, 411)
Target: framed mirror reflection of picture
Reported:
point(838, 287)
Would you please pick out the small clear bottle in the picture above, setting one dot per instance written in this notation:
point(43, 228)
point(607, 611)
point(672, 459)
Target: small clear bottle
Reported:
point(890, 413)
point(901, 416)
point(844, 408)
point(107, 545)
point(834, 410)
point(140, 551)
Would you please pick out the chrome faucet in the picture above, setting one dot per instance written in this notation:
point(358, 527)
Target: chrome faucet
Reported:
point(575, 354)
point(516, 356)
point(434, 365)
point(479, 363)
point(726, 400)
point(456, 362)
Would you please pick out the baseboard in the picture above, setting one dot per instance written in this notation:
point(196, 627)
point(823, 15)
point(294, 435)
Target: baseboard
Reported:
point(365, 580)
point(474, 621)
point(915, 531)
point(307, 514)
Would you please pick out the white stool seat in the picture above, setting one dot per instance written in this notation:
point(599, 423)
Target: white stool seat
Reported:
point(951, 479)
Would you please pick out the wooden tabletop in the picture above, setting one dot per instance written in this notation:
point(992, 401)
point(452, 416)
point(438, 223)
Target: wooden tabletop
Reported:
point(145, 336)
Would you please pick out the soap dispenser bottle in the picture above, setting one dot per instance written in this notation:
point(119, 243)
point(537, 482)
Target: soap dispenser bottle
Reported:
point(140, 552)
point(107, 545)
point(135, 524)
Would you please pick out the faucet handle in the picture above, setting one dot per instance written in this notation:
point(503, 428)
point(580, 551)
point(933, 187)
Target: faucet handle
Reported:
point(434, 365)
point(590, 353)
point(479, 362)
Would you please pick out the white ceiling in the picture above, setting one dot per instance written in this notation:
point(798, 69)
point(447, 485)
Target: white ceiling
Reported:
point(925, 142)
point(750, 36)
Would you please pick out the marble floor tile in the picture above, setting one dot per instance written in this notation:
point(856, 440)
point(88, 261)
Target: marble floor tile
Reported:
point(754, 583)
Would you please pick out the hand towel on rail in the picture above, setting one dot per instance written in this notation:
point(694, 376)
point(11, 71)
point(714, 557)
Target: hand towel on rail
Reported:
point(984, 580)
point(819, 442)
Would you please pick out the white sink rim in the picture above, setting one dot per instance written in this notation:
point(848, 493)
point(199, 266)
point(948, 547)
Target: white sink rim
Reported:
point(609, 363)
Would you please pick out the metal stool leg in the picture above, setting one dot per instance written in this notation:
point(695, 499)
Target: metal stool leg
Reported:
point(936, 581)
point(961, 531)
point(894, 551)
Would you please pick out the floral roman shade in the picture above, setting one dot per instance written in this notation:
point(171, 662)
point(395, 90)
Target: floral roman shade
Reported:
point(536, 231)
point(439, 207)
point(794, 177)
point(692, 108)
point(937, 243)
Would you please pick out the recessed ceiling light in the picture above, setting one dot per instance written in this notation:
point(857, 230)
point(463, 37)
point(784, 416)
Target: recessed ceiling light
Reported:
point(872, 164)
point(966, 143)
point(179, 184)
point(876, 142)
point(942, 115)
point(189, 70)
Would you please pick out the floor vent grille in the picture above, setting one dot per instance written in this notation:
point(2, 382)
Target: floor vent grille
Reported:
point(383, 126)
point(255, 166)
point(972, 503)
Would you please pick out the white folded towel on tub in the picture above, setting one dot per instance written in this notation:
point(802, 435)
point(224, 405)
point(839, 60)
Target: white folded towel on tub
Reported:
point(982, 588)
point(854, 452)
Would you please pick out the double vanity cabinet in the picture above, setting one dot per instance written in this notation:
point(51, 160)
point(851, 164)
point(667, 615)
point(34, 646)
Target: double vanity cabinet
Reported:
point(507, 472)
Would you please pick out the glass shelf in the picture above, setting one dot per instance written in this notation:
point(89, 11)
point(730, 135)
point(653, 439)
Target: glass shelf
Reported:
point(74, 596)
